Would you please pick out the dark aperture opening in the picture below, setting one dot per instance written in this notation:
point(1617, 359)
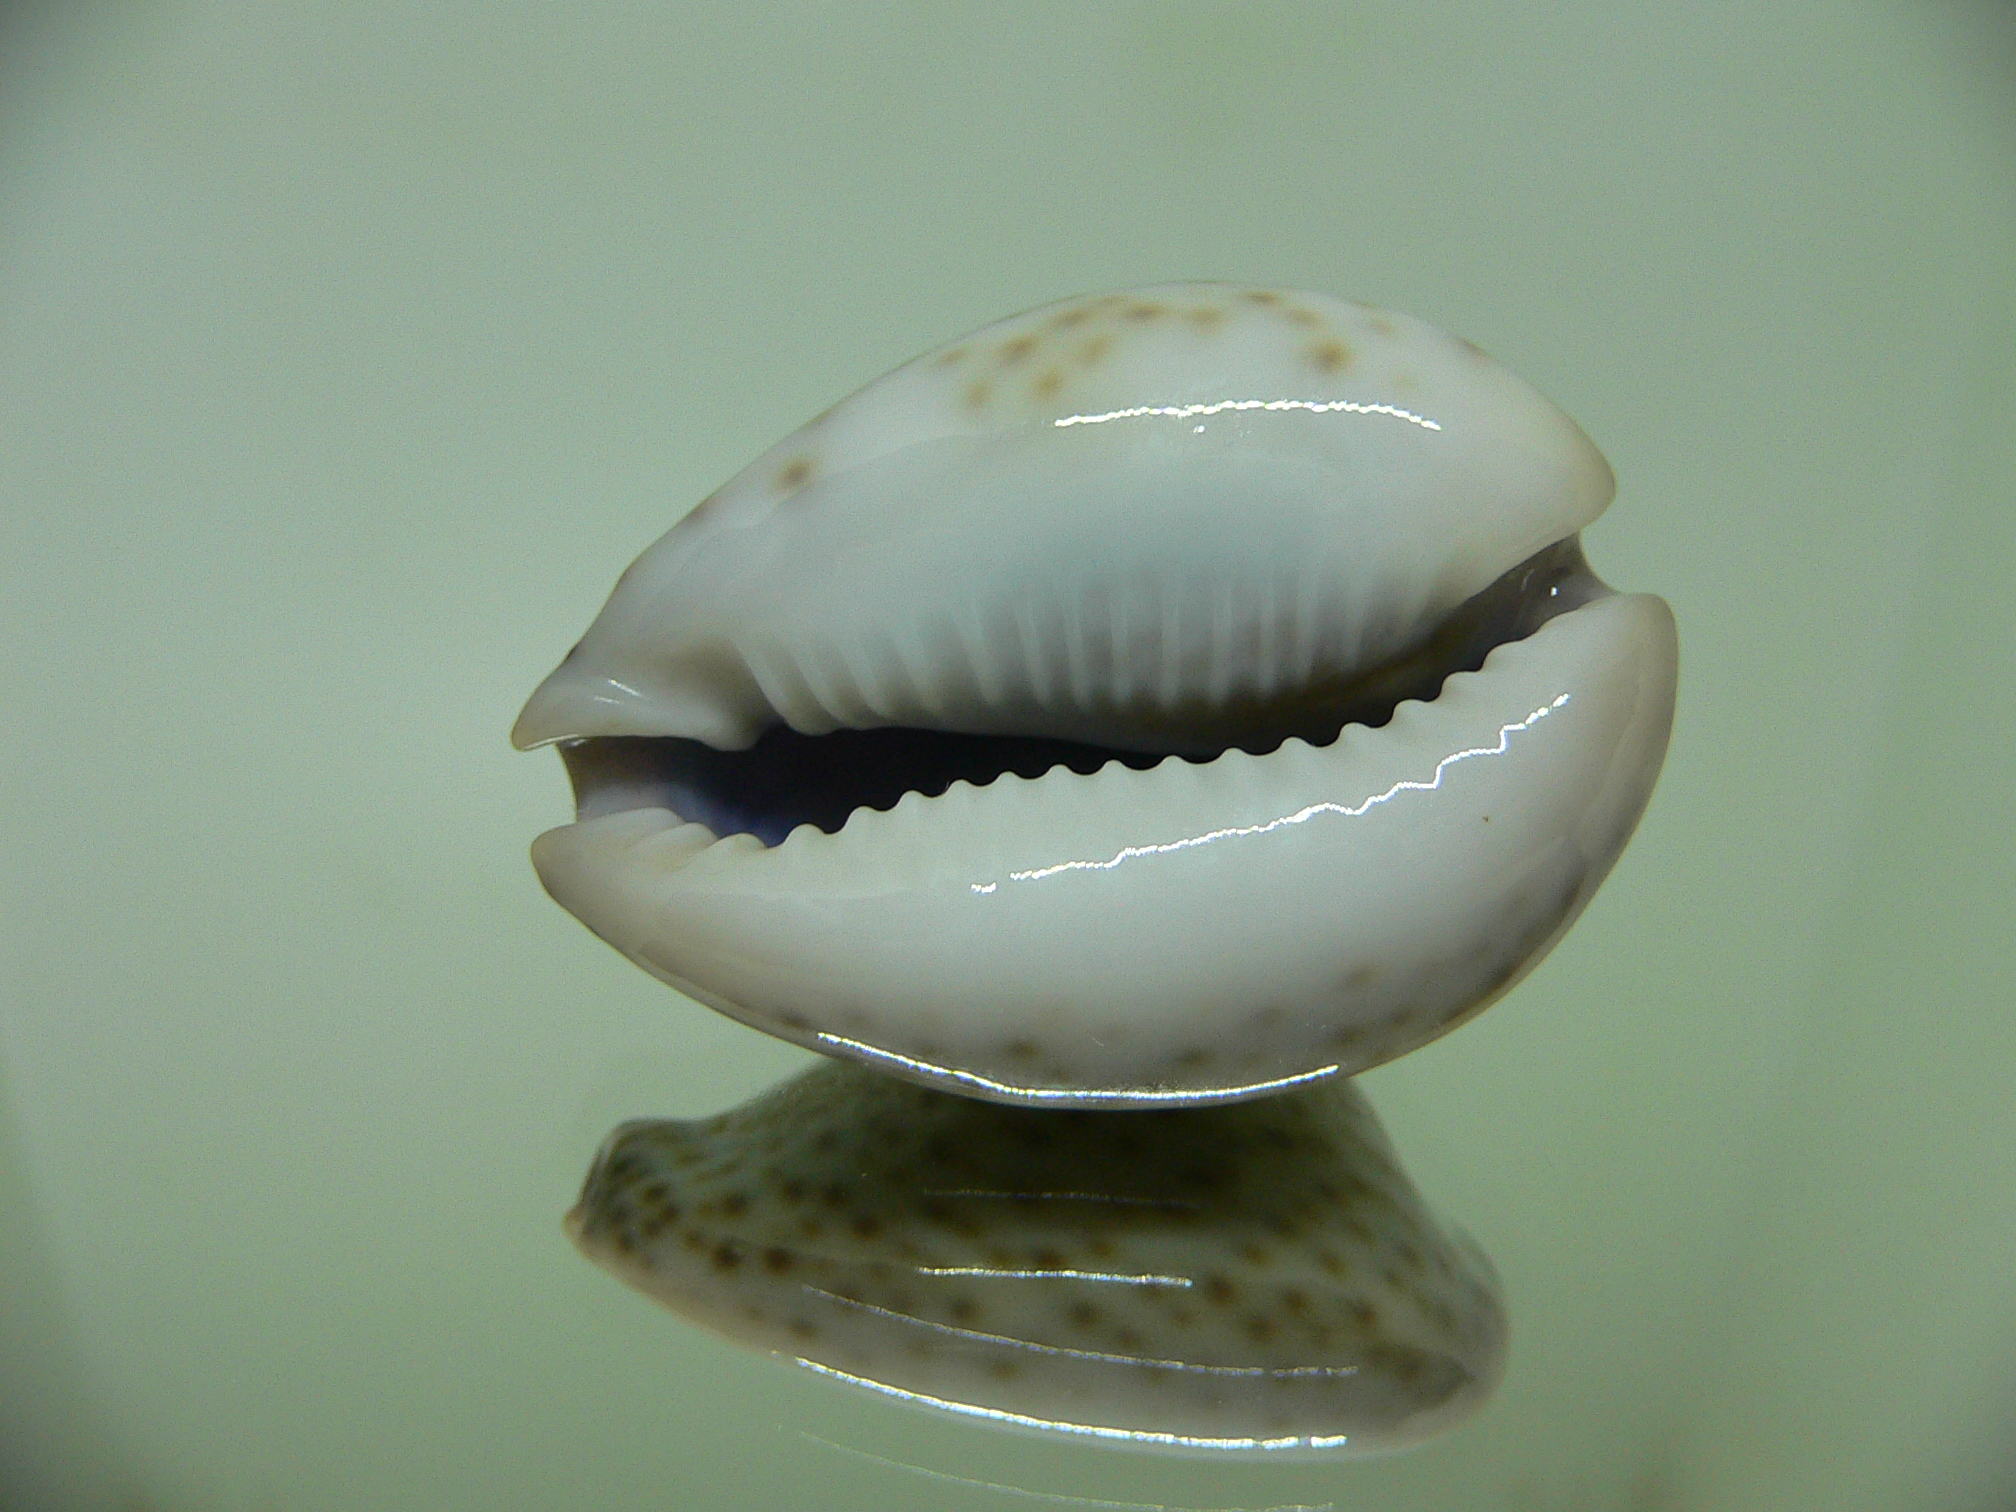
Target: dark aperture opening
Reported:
point(787, 779)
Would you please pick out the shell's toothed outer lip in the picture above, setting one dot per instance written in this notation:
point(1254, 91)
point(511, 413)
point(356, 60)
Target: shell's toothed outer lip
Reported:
point(1178, 520)
point(1259, 1278)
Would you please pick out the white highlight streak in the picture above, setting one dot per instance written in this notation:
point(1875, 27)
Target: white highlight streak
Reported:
point(1310, 406)
point(1128, 1435)
point(1075, 1096)
point(1185, 1367)
point(1138, 1279)
point(1301, 815)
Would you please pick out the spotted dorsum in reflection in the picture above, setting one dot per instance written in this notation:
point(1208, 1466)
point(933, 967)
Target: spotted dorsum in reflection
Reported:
point(1251, 1277)
point(1164, 697)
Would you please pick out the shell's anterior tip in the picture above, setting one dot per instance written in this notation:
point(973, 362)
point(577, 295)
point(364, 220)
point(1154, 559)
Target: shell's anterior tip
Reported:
point(546, 718)
point(1185, 691)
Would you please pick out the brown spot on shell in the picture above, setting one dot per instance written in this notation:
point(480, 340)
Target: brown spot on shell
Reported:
point(1379, 325)
point(1093, 350)
point(1261, 297)
point(1014, 351)
point(1297, 315)
point(952, 356)
point(1330, 356)
point(777, 1261)
point(1047, 383)
point(1144, 312)
point(976, 393)
point(1205, 317)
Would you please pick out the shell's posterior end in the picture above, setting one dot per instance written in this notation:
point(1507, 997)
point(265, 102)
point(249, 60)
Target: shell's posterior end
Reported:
point(604, 690)
point(1592, 477)
point(555, 712)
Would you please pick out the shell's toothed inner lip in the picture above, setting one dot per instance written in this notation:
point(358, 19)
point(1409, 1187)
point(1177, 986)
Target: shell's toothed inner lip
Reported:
point(787, 778)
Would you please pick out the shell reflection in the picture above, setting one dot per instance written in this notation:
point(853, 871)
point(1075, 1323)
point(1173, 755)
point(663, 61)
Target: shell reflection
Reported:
point(1253, 1276)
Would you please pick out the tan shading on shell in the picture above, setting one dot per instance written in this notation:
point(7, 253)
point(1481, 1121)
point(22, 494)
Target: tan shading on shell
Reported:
point(1258, 1277)
point(1329, 356)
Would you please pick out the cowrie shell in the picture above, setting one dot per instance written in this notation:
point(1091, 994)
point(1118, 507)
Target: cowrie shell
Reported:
point(1165, 697)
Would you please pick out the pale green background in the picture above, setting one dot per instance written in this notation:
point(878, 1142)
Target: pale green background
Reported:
point(348, 351)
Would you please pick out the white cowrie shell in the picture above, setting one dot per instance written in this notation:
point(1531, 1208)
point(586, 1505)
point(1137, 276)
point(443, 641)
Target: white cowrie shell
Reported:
point(1186, 519)
point(1253, 1278)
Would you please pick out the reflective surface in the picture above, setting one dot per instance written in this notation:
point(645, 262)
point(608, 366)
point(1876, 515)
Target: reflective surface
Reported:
point(1258, 1279)
point(344, 350)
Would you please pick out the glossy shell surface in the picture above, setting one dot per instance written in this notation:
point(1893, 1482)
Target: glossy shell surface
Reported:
point(1168, 521)
point(1259, 1277)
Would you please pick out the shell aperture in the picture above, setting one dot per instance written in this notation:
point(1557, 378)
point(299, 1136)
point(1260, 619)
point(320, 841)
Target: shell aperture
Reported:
point(1165, 697)
point(1259, 1276)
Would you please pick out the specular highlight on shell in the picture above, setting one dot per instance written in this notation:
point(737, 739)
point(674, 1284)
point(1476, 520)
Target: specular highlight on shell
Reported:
point(1261, 1277)
point(1162, 697)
